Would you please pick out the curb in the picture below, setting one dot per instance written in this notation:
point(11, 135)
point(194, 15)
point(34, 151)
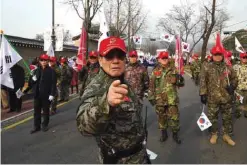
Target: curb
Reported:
point(22, 116)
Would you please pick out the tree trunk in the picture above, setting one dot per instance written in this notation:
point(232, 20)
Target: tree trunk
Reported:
point(208, 33)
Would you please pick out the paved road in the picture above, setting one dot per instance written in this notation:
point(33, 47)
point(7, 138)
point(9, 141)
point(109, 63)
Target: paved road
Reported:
point(63, 143)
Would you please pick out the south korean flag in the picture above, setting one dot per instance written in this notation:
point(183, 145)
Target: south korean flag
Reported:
point(203, 122)
point(137, 40)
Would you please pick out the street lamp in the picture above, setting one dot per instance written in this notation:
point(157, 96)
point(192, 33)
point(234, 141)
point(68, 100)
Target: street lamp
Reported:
point(53, 36)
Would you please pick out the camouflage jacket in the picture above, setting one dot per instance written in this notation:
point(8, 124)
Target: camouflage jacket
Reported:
point(64, 75)
point(163, 86)
point(118, 127)
point(195, 66)
point(214, 80)
point(58, 73)
point(137, 77)
point(87, 74)
point(241, 71)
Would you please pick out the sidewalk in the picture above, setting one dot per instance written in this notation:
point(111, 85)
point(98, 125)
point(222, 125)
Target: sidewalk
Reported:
point(27, 110)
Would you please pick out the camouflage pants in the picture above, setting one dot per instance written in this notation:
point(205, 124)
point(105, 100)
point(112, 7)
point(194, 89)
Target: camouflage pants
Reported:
point(168, 116)
point(213, 115)
point(140, 157)
point(241, 106)
point(54, 102)
point(196, 77)
point(64, 89)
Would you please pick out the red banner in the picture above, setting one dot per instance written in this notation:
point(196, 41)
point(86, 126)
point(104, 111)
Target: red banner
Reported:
point(81, 56)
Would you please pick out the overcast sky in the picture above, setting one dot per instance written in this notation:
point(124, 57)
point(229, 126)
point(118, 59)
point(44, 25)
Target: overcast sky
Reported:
point(26, 18)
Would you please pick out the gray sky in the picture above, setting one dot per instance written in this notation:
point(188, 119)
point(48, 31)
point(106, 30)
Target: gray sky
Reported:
point(26, 18)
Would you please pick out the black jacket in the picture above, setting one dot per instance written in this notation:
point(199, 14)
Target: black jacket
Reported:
point(45, 85)
point(18, 76)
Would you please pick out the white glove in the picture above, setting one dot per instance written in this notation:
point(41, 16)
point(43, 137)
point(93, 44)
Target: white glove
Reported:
point(51, 98)
point(146, 95)
point(34, 78)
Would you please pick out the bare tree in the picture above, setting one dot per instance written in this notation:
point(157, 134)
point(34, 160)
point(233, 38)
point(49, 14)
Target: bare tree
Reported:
point(39, 37)
point(89, 9)
point(180, 20)
point(126, 15)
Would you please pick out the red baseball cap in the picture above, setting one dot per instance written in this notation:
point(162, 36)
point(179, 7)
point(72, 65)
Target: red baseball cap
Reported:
point(53, 59)
point(63, 60)
point(133, 53)
point(110, 43)
point(44, 57)
point(163, 55)
point(93, 54)
point(196, 55)
point(243, 55)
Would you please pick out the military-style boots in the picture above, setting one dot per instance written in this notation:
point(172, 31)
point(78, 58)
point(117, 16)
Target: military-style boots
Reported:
point(228, 140)
point(164, 135)
point(213, 139)
point(176, 138)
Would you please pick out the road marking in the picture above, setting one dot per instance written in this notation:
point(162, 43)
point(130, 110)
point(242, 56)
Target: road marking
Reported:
point(31, 117)
point(188, 73)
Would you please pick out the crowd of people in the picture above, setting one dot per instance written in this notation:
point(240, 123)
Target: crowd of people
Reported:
point(113, 90)
point(111, 104)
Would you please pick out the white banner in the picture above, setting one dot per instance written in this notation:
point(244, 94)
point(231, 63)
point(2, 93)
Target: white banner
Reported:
point(103, 29)
point(50, 51)
point(47, 39)
point(238, 46)
point(59, 38)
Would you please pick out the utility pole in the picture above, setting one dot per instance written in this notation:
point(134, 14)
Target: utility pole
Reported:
point(53, 36)
point(129, 15)
point(87, 17)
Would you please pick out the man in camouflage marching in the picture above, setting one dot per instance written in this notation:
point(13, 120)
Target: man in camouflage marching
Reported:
point(217, 84)
point(163, 94)
point(53, 65)
point(65, 80)
point(195, 69)
point(89, 71)
point(241, 92)
point(137, 76)
point(109, 110)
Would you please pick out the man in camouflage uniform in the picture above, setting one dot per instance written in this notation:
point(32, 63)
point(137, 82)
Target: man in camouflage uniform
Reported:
point(137, 76)
point(241, 71)
point(217, 83)
point(109, 110)
point(64, 81)
point(53, 65)
point(195, 69)
point(89, 71)
point(163, 94)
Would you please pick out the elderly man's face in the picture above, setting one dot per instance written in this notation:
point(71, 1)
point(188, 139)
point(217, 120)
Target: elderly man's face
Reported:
point(244, 60)
point(113, 63)
point(163, 61)
point(93, 59)
point(218, 57)
point(43, 62)
point(133, 60)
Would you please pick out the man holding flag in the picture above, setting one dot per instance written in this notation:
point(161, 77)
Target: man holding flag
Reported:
point(217, 84)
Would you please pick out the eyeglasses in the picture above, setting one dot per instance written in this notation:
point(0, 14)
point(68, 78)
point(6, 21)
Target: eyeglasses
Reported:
point(110, 57)
point(244, 57)
point(43, 60)
point(164, 58)
point(132, 57)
